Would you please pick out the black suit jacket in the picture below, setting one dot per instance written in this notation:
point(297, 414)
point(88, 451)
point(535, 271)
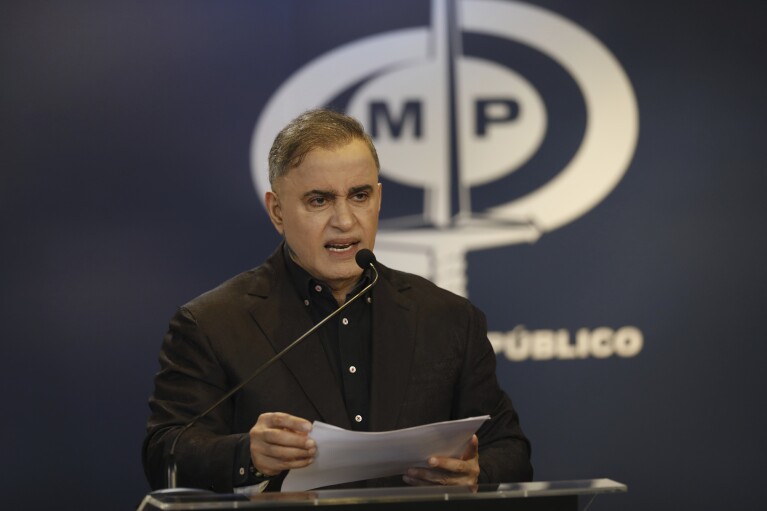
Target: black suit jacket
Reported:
point(431, 361)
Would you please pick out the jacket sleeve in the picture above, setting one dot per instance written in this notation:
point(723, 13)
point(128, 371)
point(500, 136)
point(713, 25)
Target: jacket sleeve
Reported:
point(189, 381)
point(504, 450)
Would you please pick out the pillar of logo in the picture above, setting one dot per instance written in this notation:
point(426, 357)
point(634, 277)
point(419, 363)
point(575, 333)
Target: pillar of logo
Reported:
point(445, 122)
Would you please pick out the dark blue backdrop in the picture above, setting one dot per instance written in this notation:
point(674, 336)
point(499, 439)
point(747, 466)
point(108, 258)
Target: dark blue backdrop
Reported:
point(125, 190)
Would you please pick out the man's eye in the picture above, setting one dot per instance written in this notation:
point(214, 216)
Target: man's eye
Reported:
point(361, 196)
point(318, 201)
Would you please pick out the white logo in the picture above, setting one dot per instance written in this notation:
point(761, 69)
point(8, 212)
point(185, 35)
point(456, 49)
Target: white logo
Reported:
point(445, 123)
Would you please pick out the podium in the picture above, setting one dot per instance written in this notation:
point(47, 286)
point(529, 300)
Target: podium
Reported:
point(534, 496)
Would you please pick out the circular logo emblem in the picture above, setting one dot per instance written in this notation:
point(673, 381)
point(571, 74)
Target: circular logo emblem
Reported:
point(465, 105)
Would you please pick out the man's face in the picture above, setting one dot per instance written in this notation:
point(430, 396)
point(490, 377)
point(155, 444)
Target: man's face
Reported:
point(327, 210)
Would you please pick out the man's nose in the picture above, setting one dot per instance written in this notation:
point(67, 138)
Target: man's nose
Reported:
point(343, 216)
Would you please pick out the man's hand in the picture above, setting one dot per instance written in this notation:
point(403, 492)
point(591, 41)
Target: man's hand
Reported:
point(280, 441)
point(448, 471)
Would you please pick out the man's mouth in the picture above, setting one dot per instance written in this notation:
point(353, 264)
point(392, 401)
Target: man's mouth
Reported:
point(340, 247)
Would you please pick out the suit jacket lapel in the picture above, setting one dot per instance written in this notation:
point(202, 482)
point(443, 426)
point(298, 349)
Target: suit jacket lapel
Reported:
point(283, 318)
point(394, 338)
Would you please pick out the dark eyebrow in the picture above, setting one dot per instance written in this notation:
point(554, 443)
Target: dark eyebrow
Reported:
point(319, 193)
point(361, 188)
point(329, 194)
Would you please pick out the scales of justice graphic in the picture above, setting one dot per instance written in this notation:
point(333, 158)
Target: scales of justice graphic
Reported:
point(445, 122)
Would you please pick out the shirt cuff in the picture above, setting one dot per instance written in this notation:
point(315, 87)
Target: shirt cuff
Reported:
point(245, 474)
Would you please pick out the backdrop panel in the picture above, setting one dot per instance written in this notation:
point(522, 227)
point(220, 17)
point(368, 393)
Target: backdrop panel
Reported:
point(589, 173)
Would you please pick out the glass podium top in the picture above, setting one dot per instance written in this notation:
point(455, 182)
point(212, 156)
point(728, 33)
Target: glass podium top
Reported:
point(379, 498)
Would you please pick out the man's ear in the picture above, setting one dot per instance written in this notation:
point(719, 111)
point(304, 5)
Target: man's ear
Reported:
point(274, 210)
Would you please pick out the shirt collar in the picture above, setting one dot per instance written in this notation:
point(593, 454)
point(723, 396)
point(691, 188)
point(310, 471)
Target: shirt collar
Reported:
point(304, 283)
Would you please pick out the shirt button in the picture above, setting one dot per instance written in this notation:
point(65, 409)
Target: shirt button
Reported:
point(242, 471)
point(306, 302)
point(345, 321)
point(358, 418)
point(370, 300)
point(318, 288)
point(352, 369)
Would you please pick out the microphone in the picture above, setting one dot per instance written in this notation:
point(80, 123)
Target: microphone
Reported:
point(365, 259)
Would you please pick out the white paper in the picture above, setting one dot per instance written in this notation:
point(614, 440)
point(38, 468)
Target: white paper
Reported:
point(344, 456)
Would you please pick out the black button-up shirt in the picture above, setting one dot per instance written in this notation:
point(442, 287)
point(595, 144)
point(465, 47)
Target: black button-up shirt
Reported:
point(345, 338)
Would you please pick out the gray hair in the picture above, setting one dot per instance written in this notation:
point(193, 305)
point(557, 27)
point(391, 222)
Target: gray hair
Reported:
point(320, 128)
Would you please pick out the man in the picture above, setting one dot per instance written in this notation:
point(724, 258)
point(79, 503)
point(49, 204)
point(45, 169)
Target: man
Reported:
point(409, 353)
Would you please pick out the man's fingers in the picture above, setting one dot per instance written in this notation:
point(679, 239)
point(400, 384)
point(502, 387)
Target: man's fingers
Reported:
point(273, 466)
point(472, 449)
point(448, 471)
point(425, 476)
point(286, 438)
point(286, 453)
point(412, 481)
point(286, 421)
point(449, 465)
point(280, 441)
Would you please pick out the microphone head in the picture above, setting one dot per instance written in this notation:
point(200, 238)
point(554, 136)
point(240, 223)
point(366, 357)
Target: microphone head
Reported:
point(364, 258)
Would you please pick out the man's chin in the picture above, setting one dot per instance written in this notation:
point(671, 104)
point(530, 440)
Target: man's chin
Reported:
point(341, 273)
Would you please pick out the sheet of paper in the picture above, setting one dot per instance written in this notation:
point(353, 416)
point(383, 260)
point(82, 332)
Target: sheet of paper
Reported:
point(344, 456)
